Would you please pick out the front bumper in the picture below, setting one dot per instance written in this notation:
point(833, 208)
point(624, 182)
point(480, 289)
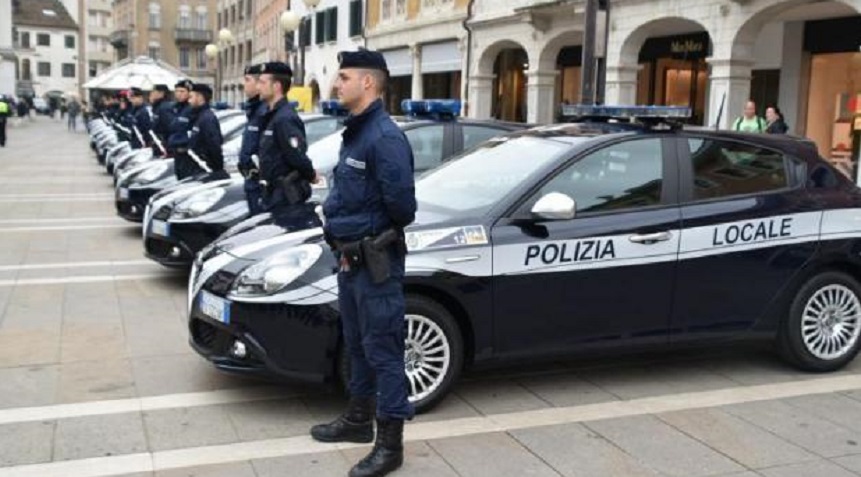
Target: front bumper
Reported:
point(131, 206)
point(183, 241)
point(281, 341)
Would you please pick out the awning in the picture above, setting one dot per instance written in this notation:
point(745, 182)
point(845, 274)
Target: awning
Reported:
point(143, 72)
point(399, 61)
point(441, 57)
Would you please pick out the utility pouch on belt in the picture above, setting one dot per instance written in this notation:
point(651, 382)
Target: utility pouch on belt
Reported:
point(352, 252)
point(376, 254)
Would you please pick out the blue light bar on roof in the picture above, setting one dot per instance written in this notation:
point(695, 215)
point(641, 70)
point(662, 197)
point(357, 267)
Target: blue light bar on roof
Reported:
point(626, 112)
point(441, 107)
point(333, 108)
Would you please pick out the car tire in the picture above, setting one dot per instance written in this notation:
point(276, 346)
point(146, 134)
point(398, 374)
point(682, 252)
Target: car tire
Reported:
point(432, 324)
point(822, 331)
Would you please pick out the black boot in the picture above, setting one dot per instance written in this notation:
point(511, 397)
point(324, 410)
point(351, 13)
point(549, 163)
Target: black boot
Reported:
point(355, 425)
point(388, 452)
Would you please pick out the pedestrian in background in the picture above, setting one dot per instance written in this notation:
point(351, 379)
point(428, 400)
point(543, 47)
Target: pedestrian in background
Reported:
point(776, 123)
point(749, 121)
point(74, 109)
point(5, 113)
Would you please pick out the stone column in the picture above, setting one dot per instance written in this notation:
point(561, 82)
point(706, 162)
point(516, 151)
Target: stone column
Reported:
point(730, 79)
point(621, 85)
point(480, 96)
point(418, 84)
point(540, 97)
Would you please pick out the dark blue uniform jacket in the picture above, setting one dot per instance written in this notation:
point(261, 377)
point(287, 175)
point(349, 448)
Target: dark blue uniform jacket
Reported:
point(255, 110)
point(283, 146)
point(205, 139)
point(180, 127)
point(162, 117)
point(373, 188)
point(143, 123)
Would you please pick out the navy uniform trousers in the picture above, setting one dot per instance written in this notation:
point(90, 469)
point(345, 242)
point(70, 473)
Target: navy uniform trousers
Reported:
point(377, 313)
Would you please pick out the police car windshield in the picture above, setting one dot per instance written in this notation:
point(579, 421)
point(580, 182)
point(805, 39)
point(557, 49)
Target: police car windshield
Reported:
point(471, 184)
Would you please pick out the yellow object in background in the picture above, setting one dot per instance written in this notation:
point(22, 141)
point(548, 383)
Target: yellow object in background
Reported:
point(304, 96)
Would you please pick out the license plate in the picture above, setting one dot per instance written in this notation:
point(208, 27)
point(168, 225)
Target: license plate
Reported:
point(124, 194)
point(160, 227)
point(214, 307)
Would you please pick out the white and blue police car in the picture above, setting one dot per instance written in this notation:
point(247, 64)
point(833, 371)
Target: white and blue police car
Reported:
point(600, 234)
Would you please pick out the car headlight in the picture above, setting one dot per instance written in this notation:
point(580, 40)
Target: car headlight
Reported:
point(276, 272)
point(197, 204)
point(151, 173)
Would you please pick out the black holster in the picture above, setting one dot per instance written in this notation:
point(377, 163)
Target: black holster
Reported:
point(375, 251)
point(296, 190)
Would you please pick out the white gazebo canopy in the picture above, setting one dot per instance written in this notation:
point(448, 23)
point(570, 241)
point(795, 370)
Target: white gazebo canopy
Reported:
point(142, 72)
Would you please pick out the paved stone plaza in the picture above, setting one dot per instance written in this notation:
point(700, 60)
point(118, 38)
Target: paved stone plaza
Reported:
point(97, 379)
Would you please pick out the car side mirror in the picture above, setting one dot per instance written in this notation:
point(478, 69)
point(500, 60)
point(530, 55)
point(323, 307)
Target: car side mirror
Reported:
point(555, 206)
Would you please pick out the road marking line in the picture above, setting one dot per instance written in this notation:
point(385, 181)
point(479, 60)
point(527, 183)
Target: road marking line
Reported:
point(58, 195)
point(59, 220)
point(421, 431)
point(79, 279)
point(47, 266)
point(61, 228)
point(57, 199)
point(142, 404)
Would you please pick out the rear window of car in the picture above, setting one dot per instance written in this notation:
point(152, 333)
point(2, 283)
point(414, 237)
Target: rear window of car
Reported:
point(727, 169)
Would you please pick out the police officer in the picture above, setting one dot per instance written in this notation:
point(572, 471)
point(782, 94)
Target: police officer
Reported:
point(141, 121)
point(125, 119)
point(180, 127)
point(162, 116)
point(285, 170)
point(371, 201)
point(205, 141)
point(255, 110)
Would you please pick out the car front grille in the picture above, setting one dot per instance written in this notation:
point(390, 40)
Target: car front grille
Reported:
point(204, 334)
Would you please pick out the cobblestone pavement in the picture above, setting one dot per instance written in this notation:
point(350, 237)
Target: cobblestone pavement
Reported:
point(97, 378)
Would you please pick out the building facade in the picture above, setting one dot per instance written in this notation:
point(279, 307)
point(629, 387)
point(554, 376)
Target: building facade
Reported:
point(330, 27)
point(95, 52)
point(238, 17)
point(8, 59)
point(424, 43)
point(269, 40)
point(45, 39)
point(173, 31)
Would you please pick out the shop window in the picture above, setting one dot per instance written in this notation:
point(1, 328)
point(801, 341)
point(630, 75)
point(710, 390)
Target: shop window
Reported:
point(727, 169)
point(764, 89)
point(621, 176)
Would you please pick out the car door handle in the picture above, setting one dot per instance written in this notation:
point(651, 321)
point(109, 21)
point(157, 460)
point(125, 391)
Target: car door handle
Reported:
point(650, 238)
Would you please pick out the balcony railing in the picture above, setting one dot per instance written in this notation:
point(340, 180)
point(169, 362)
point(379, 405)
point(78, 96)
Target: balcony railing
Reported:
point(120, 38)
point(190, 35)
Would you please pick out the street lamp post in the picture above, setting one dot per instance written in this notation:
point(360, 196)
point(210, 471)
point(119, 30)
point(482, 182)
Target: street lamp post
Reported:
point(290, 22)
point(225, 37)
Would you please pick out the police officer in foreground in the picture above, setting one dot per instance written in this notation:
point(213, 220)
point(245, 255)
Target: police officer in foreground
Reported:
point(178, 132)
point(255, 110)
point(205, 141)
point(286, 172)
point(371, 201)
point(141, 121)
point(162, 116)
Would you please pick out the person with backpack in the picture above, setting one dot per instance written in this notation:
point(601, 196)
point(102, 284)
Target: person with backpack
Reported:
point(749, 121)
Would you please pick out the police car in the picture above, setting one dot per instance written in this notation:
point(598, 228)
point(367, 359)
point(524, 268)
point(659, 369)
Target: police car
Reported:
point(186, 224)
point(567, 239)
